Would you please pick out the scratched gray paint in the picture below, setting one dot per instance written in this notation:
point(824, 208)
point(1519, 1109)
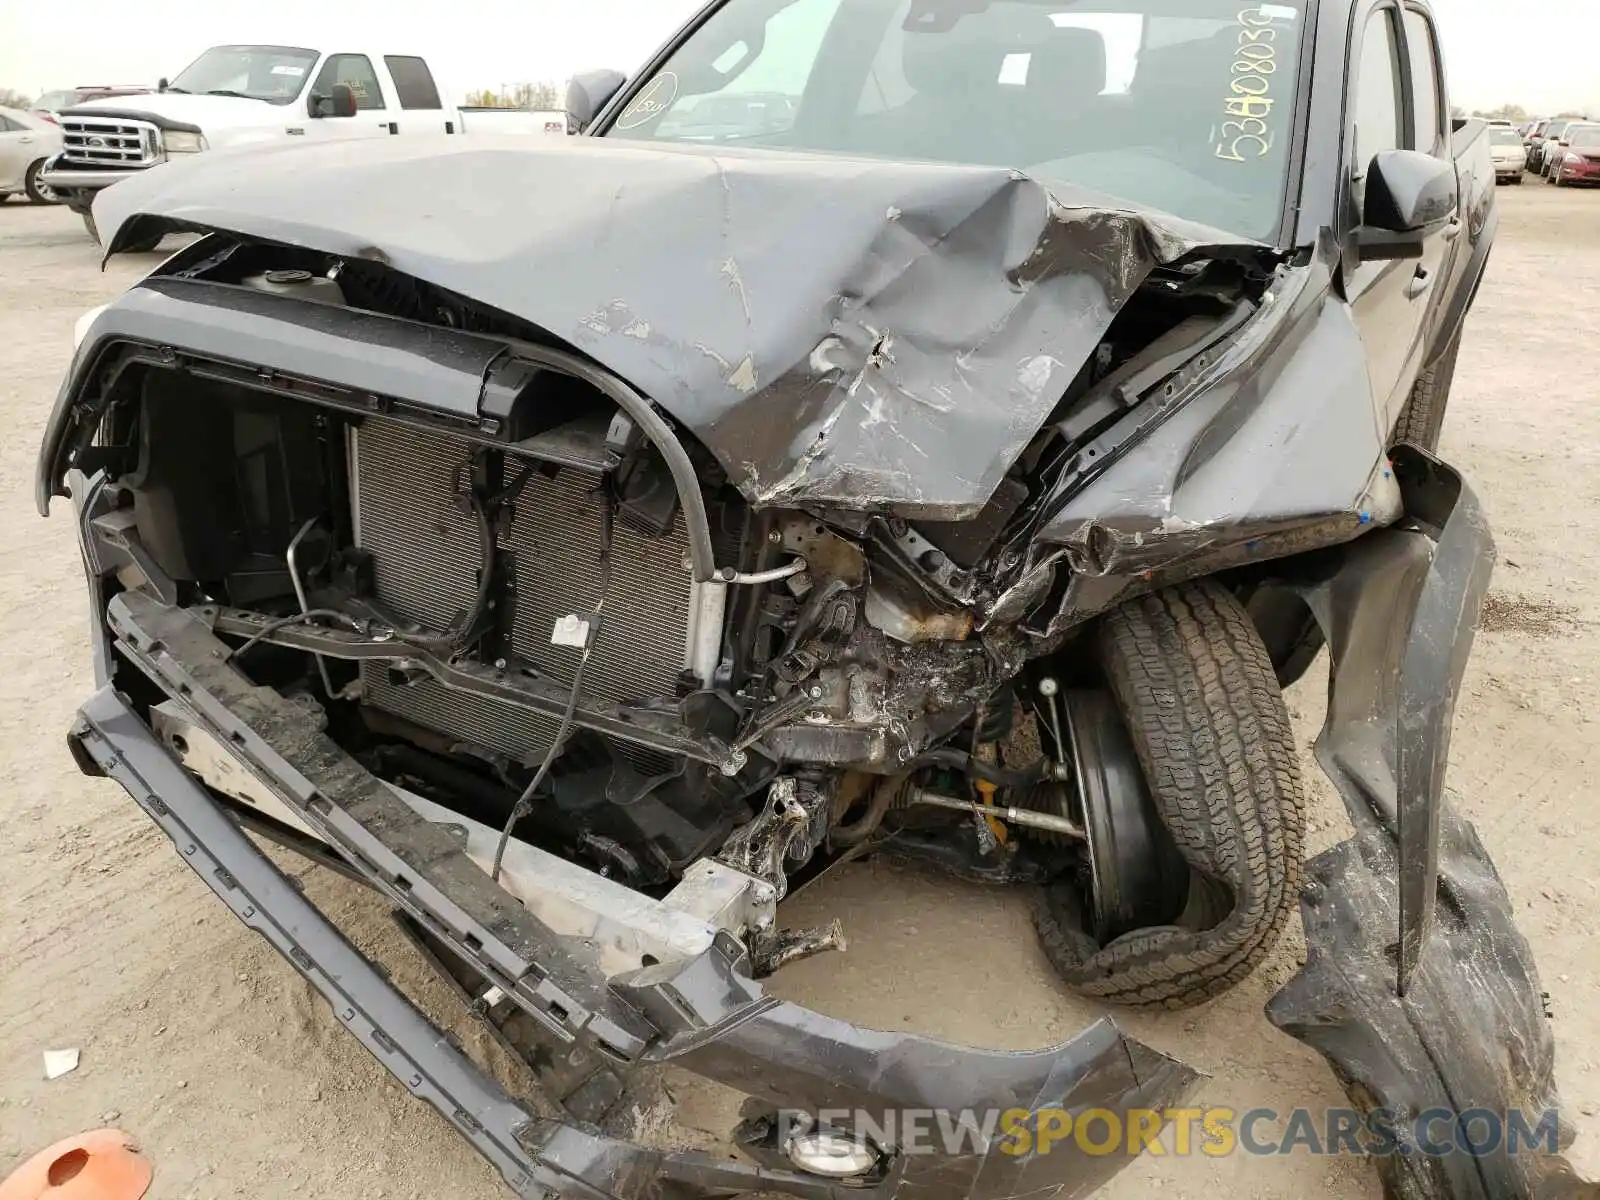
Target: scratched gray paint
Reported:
point(845, 332)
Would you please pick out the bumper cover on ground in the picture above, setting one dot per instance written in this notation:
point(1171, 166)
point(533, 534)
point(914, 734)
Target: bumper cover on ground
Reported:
point(705, 1015)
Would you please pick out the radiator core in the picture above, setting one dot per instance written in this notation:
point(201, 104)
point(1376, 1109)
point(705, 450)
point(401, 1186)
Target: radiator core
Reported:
point(410, 515)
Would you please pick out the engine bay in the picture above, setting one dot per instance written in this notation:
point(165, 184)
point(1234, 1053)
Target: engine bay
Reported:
point(532, 621)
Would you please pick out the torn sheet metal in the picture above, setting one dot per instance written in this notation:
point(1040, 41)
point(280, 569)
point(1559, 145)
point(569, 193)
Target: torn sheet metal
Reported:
point(1470, 1034)
point(1418, 987)
point(851, 333)
point(1213, 470)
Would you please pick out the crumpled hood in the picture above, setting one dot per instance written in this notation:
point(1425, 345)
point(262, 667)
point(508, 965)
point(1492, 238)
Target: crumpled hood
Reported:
point(849, 332)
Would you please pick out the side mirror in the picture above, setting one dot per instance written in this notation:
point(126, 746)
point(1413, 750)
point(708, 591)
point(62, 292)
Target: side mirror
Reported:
point(1409, 194)
point(589, 92)
point(162, 84)
point(339, 102)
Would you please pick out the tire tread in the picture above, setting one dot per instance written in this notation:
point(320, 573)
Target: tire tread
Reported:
point(1197, 688)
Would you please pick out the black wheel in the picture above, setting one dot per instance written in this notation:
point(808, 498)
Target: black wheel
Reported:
point(1195, 688)
point(38, 193)
point(1422, 419)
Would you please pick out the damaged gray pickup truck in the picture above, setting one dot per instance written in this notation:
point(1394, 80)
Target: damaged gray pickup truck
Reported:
point(585, 543)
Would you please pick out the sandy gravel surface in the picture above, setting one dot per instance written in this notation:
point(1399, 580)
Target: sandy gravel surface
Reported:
point(199, 1040)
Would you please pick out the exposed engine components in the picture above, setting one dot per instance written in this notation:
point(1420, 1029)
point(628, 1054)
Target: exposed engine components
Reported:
point(1016, 816)
point(302, 285)
point(783, 837)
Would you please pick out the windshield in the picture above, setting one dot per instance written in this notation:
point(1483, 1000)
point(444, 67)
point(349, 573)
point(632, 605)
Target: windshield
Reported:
point(1504, 137)
point(1586, 137)
point(709, 118)
point(55, 101)
point(1180, 105)
point(271, 73)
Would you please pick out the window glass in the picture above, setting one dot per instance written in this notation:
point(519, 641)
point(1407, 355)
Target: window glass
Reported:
point(413, 82)
point(7, 125)
point(355, 72)
point(271, 73)
point(1377, 105)
point(1181, 107)
point(1425, 89)
point(750, 87)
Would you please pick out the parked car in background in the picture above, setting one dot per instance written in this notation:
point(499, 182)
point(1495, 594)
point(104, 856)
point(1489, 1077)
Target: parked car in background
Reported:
point(260, 95)
point(1578, 161)
point(49, 105)
point(1509, 154)
point(1538, 159)
point(1535, 138)
point(236, 95)
point(26, 143)
point(1555, 144)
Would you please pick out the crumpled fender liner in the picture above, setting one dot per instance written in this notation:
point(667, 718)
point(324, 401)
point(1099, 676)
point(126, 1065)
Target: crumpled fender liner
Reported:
point(1418, 987)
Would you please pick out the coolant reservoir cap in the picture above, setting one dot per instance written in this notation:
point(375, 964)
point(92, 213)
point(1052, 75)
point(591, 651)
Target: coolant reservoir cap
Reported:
point(287, 277)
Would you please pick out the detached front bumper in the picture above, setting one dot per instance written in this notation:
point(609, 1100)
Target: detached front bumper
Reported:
point(703, 1013)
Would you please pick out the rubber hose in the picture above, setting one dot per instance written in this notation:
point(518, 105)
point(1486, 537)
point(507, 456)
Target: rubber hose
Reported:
point(882, 801)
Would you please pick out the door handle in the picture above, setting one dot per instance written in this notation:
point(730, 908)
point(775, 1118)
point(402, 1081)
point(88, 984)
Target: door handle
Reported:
point(1453, 230)
point(1420, 282)
point(26, 139)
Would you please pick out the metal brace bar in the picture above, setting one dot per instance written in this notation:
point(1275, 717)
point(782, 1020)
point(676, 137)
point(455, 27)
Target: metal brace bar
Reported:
point(405, 1043)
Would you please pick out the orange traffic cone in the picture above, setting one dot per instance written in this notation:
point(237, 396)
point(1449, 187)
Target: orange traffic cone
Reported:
point(103, 1164)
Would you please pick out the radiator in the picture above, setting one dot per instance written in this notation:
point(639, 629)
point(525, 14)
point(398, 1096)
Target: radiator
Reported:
point(424, 546)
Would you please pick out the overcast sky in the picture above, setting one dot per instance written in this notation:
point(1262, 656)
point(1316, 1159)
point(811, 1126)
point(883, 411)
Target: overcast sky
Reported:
point(1495, 52)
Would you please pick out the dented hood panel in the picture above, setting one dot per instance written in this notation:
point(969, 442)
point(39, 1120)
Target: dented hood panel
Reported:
point(846, 332)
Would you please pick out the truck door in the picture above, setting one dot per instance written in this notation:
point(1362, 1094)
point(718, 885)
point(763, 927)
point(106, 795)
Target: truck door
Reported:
point(1387, 315)
point(373, 116)
point(1433, 274)
point(1397, 104)
point(421, 109)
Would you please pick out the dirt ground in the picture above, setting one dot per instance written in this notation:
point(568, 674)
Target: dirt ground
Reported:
point(200, 1041)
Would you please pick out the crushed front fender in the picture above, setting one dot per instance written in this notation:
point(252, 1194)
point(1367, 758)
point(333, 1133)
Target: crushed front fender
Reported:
point(1418, 988)
point(704, 1014)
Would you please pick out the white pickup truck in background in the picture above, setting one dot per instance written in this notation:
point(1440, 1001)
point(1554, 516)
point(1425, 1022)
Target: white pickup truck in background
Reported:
point(240, 95)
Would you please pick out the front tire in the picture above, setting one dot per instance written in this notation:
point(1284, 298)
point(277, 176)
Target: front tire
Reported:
point(1422, 419)
point(38, 193)
point(1196, 687)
